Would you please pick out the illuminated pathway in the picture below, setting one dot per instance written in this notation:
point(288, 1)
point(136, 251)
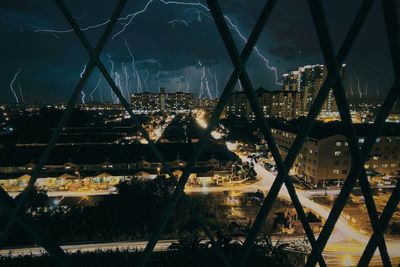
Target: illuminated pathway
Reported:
point(345, 241)
point(344, 254)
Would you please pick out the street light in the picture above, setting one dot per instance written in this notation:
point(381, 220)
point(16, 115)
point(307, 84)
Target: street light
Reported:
point(158, 171)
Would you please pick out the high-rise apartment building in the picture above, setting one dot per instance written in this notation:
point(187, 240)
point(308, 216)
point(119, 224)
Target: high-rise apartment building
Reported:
point(162, 101)
point(308, 80)
point(276, 104)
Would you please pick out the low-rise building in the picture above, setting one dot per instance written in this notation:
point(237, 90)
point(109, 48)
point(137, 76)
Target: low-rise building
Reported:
point(130, 160)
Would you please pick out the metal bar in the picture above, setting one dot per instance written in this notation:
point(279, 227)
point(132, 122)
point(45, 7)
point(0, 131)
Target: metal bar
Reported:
point(116, 90)
point(384, 220)
point(344, 111)
point(281, 167)
point(164, 164)
point(392, 29)
point(265, 129)
point(355, 170)
point(40, 236)
point(230, 45)
point(392, 96)
point(312, 114)
point(66, 114)
point(47, 151)
point(213, 120)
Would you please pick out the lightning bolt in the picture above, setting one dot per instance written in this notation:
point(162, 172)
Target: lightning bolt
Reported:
point(82, 93)
point(216, 86)
point(83, 97)
point(20, 92)
point(125, 70)
point(366, 88)
point(112, 76)
point(187, 85)
point(187, 80)
point(94, 90)
point(118, 82)
point(179, 83)
point(101, 95)
point(83, 71)
point(12, 84)
point(203, 73)
point(135, 72)
point(145, 80)
point(128, 19)
point(358, 87)
point(158, 77)
point(53, 32)
point(209, 85)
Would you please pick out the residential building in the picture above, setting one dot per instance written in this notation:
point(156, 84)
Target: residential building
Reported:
point(162, 101)
point(325, 155)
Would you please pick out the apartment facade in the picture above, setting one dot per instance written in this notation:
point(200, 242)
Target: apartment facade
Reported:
point(325, 155)
point(161, 101)
point(275, 104)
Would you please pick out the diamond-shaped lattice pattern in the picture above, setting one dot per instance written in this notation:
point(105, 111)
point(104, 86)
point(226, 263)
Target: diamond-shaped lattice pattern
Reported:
point(358, 154)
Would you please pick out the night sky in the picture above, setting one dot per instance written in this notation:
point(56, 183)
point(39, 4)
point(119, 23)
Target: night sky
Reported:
point(175, 46)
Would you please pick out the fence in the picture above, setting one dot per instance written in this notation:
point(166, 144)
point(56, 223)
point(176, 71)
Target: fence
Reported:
point(334, 64)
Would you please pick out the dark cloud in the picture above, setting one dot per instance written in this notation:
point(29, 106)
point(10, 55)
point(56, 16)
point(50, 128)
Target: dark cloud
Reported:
point(285, 51)
point(174, 52)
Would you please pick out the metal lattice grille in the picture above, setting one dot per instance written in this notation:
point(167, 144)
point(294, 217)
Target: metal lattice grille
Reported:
point(358, 154)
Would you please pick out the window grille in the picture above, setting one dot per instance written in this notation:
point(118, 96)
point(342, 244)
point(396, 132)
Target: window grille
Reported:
point(333, 62)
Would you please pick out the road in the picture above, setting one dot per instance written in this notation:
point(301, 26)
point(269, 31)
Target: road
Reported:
point(343, 254)
point(162, 245)
point(346, 241)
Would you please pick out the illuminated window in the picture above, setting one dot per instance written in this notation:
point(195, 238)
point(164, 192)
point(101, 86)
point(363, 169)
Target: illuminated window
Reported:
point(337, 153)
point(338, 143)
point(335, 171)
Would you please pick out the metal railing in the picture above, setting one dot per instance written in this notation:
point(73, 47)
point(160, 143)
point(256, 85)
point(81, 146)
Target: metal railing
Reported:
point(15, 208)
